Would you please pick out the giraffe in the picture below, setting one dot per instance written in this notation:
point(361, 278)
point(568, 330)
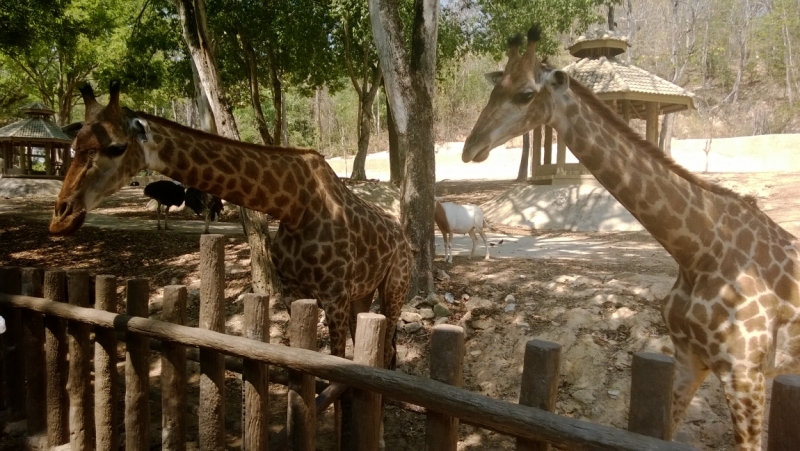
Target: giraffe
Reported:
point(331, 245)
point(734, 309)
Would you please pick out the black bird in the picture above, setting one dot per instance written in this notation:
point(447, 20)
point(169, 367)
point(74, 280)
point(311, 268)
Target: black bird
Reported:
point(206, 205)
point(167, 193)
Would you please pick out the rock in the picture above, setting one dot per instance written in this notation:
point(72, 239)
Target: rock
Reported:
point(614, 394)
point(426, 313)
point(440, 321)
point(449, 297)
point(441, 275)
point(479, 303)
point(432, 299)
point(475, 353)
point(510, 307)
point(410, 317)
point(411, 328)
point(440, 311)
point(416, 301)
point(465, 297)
point(408, 308)
point(510, 299)
point(482, 323)
point(584, 395)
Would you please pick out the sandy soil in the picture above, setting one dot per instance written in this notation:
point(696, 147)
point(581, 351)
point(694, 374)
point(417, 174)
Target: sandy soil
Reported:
point(601, 307)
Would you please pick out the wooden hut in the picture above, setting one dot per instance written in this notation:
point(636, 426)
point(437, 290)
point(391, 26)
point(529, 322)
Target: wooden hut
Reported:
point(631, 91)
point(36, 136)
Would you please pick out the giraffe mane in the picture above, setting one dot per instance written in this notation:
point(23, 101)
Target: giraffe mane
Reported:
point(649, 148)
point(223, 140)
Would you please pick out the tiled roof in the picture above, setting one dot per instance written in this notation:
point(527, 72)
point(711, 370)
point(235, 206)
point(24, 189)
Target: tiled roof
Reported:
point(35, 128)
point(37, 108)
point(605, 75)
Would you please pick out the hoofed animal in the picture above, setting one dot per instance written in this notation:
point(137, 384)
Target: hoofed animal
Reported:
point(166, 193)
point(735, 308)
point(454, 218)
point(203, 204)
point(331, 245)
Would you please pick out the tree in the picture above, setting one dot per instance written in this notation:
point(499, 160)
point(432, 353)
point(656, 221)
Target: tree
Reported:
point(409, 82)
point(363, 70)
point(195, 33)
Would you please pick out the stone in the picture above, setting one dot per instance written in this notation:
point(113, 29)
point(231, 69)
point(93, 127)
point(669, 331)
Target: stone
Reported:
point(475, 353)
point(614, 394)
point(427, 313)
point(416, 301)
point(510, 307)
point(441, 275)
point(438, 321)
point(465, 297)
point(432, 299)
point(482, 323)
point(584, 395)
point(440, 311)
point(411, 328)
point(479, 303)
point(410, 317)
point(449, 297)
point(510, 299)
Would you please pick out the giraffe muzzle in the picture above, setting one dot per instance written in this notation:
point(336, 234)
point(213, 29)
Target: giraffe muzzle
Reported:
point(67, 219)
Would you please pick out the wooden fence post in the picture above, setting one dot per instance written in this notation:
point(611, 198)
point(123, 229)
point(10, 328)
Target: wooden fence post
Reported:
point(137, 371)
point(55, 289)
point(301, 415)
point(447, 365)
point(365, 425)
point(106, 381)
point(212, 363)
point(255, 376)
point(652, 376)
point(79, 387)
point(784, 435)
point(35, 363)
point(173, 374)
point(539, 387)
point(10, 278)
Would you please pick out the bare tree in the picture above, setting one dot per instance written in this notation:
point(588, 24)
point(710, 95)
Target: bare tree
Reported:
point(409, 82)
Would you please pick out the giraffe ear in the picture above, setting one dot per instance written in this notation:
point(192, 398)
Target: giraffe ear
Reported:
point(493, 77)
point(141, 129)
point(557, 81)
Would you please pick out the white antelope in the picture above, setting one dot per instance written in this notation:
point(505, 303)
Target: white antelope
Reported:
point(453, 218)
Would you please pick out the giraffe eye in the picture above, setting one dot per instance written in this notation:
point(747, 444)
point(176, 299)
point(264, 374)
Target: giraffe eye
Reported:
point(524, 97)
point(115, 150)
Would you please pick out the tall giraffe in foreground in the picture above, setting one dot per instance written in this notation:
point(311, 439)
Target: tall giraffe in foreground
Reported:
point(735, 308)
point(331, 245)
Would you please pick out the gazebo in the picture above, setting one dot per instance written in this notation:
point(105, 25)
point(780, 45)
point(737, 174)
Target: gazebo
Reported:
point(631, 91)
point(36, 135)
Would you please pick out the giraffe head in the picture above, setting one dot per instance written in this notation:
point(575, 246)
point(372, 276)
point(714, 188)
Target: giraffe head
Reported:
point(108, 153)
point(523, 97)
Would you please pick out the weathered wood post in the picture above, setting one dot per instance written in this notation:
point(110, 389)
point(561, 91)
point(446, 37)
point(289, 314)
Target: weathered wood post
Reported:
point(173, 374)
point(652, 376)
point(105, 368)
point(784, 435)
point(79, 387)
point(365, 433)
point(539, 387)
point(301, 415)
point(447, 365)
point(212, 363)
point(55, 289)
point(137, 372)
point(255, 376)
point(10, 278)
point(35, 363)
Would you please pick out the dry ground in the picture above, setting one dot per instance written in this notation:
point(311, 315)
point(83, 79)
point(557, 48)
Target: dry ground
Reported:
point(600, 311)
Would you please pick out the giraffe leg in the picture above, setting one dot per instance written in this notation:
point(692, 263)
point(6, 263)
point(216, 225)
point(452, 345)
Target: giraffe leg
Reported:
point(745, 392)
point(690, 372)
point(483, 235)
point(336, 314)
point(474, 241)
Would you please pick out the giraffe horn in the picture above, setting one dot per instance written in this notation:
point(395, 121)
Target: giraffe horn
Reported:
point(514, 42)
point(534, 35)
point(89, 101)
point(114, 93)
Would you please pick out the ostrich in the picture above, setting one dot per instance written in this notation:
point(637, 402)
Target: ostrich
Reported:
point(203, 204)
point(167, 193)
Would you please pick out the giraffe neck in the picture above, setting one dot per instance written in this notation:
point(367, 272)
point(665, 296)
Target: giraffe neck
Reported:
point(281, 182)
point(680, 210)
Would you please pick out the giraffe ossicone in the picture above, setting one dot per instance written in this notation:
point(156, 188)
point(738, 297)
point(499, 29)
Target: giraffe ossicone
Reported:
point(735, 308)
point(331, 245)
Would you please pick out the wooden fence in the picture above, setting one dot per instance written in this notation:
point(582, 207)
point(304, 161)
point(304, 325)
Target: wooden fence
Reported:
point(48, 357)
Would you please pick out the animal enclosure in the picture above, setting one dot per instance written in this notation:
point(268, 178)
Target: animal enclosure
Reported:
point(44, 329)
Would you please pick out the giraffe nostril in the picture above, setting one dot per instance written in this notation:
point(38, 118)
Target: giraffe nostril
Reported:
point(63, 209)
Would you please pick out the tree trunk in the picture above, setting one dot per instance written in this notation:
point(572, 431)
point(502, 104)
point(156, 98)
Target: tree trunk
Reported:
point(277, 99)
point(409, 83)
point(397, 159)
point(193, 21)
point(665, 136)
point(255, 95)
point(522, 175)
point(365, 122)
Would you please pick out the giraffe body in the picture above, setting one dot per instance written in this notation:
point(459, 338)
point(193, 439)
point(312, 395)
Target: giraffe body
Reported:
point(735, 307)
point(331, 245)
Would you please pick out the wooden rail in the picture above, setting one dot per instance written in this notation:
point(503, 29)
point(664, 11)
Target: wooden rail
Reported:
point(504, 417)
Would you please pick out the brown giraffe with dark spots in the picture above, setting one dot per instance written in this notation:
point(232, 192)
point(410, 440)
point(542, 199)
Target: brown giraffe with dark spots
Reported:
point(735, 308)
point(331, 245)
